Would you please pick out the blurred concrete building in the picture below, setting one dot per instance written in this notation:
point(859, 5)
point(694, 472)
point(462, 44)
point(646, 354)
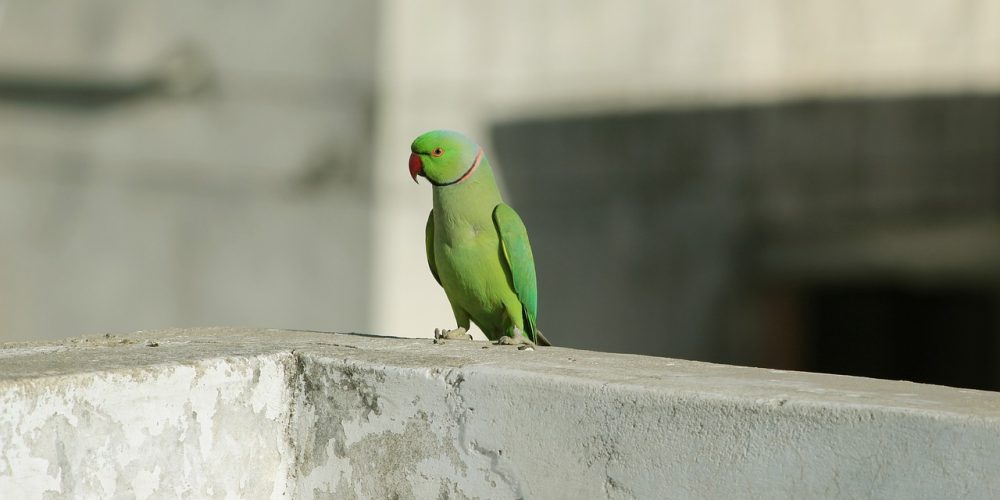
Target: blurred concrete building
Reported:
point(184, 163)
point(808, 185)
point(723, 180)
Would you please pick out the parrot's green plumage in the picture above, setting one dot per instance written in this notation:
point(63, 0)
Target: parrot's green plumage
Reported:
point(477, 246)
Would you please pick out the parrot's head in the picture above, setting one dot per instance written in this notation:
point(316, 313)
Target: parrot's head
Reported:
point(444, 157)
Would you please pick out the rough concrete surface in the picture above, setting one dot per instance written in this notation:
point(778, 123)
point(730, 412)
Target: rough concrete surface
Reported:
point(239, 413)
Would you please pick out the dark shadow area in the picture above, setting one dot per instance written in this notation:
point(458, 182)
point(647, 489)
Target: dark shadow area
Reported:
point(754, 234)
point(73, 94)
point(942, 336)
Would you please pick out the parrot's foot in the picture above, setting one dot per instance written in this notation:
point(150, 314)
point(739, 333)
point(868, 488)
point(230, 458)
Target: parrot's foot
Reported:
point(456, 334)
point(522, 343)
point(519, 339)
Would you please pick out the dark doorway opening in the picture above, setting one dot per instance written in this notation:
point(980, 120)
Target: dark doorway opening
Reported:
point(944, 336)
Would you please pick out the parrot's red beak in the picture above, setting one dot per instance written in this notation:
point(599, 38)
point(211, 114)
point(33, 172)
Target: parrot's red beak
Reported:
point(416, 166)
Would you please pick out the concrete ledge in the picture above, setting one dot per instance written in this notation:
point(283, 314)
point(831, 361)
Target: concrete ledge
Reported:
point(281, 414)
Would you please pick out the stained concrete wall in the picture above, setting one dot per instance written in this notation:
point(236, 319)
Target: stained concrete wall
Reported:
point(233, 413)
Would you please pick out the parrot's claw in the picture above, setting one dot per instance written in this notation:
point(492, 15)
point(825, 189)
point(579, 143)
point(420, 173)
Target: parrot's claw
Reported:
point(521, 341)
point(456, 334)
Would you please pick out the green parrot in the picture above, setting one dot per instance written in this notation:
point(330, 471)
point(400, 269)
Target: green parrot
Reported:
point(477, 246)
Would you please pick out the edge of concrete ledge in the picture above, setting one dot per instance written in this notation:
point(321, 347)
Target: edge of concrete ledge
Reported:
point(110, 352)
point(279, 413)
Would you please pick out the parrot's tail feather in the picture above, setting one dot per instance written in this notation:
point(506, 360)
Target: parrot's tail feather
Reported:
point(541, 338)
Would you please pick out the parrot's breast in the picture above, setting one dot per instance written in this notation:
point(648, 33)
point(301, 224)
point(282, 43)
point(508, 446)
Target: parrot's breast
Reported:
point(468, 257)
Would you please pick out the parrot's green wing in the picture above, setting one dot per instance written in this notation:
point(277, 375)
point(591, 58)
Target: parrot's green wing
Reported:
point(429, 241)
point(517, 251)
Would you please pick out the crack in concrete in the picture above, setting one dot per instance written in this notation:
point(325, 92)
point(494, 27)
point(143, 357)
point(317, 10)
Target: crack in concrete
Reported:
point(497, 469)
point(461, 412)
point(295, 380)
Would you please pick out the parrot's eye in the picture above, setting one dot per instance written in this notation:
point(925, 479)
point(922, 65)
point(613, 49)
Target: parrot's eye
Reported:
point(437, 152)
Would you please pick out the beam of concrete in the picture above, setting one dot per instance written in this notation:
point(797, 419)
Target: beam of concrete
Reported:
point(283, 414)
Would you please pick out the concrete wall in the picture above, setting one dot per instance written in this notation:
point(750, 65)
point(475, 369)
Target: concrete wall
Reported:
point(283, 414)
